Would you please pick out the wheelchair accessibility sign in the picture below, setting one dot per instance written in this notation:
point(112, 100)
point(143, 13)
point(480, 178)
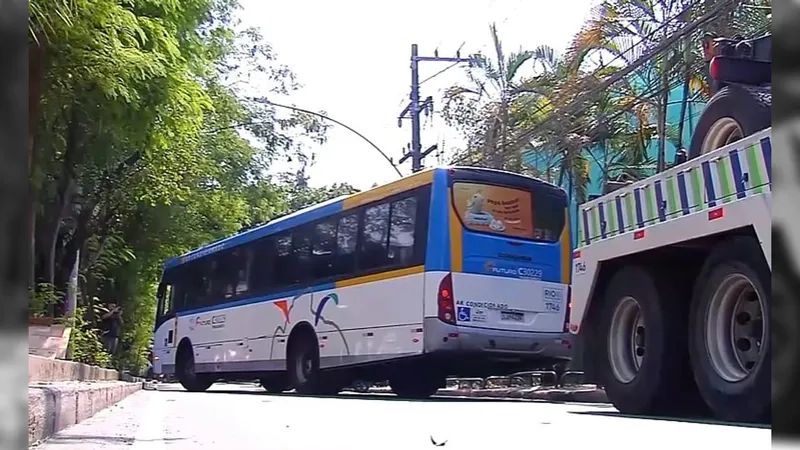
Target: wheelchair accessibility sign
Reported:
point(464, 313)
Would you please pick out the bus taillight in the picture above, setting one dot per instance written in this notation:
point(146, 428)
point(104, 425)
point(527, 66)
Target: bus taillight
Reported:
point(445, 300)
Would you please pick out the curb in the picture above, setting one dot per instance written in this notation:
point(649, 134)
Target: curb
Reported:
point(52, 408)
point(550, 395)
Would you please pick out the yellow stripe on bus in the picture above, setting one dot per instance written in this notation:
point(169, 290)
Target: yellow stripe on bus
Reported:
point(566, 250)
point(380, 276)
point(456, 242)
point(404, 184)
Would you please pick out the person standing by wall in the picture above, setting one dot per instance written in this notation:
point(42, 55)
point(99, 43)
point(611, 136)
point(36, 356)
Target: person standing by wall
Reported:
point(111, 324)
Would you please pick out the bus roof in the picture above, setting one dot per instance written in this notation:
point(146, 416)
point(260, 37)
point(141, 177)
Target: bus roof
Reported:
point(319, 211)
point(308, 214)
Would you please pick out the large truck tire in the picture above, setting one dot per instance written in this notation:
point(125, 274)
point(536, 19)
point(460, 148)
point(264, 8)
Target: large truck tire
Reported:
point(734, 113)
point(729, 331)
point(642, 334)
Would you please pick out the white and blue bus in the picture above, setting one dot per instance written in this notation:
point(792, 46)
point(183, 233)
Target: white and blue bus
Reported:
point(448, 272)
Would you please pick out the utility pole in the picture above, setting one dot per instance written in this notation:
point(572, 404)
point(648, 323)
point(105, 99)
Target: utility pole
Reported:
point(415, 107)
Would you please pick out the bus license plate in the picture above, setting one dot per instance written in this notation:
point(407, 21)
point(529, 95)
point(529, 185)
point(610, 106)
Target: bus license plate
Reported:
point(509, 316)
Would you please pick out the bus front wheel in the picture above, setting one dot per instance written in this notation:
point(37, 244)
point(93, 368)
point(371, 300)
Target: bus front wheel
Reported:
point(187, 377)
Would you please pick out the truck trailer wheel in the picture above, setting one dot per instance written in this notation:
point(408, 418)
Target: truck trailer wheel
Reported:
point(734, 113)
point(729, 330)
point(643, 329)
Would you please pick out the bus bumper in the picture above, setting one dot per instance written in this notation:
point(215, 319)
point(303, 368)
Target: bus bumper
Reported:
point(442, 338)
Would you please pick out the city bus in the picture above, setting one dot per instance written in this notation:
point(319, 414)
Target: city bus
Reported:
point(447, 272)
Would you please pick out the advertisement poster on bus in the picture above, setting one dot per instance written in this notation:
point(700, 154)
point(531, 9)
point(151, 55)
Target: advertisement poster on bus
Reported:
point(494, 209)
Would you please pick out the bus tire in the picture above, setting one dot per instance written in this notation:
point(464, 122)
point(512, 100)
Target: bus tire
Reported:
point(303, 363)
point(733, 376)
point(642, 348)
point(185, 370)
point(748, 107)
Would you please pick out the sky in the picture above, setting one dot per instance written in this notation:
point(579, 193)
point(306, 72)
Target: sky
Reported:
point(353, 59)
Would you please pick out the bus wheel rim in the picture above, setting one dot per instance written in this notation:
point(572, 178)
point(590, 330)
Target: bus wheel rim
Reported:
point(626, 340)
point(735, 331)
point(724, 131)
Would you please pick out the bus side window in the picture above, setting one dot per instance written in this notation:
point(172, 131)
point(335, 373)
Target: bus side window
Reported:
point(283, 266)
point(262, 276)
point(323, 251)
point(375, 236)
point(401, 235)
point(300, 261)
point(346, 240)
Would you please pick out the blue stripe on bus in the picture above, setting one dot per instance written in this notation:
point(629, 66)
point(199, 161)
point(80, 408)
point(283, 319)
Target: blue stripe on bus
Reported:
point(637, 200)
point(284, 223)
point(738, 178)
point(766, 150)
point(709, 182)
point(437, 255)
point(662, 214)
point(682, 193)
point(260, 299)
point(601, 208)
point(620, 215)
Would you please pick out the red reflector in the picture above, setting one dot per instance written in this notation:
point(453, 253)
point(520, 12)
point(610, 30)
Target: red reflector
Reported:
point(445, 293)
point(573, 328)
point(638, 234)
point(716, 214)
point(576, 254)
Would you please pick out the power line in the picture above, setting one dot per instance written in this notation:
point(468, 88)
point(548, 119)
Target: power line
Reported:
point(313, 113)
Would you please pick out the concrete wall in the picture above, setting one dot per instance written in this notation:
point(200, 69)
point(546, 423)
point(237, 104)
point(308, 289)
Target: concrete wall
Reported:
point(55, 370)
point(63, 393)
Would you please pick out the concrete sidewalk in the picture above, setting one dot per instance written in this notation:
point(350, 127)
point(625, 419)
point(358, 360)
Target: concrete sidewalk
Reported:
point(64, 393)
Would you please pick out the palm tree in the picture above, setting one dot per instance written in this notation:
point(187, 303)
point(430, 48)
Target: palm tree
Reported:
point(483, 109)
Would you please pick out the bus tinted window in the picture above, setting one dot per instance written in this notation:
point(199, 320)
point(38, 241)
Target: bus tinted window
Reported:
point(370, 238)
point(401, 234)
point(508, 211)
point(323, 251)
point(346, 240)
point(374, 237)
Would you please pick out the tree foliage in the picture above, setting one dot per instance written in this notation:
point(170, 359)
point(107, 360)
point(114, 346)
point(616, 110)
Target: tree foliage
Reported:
point(509, 95)
point(144, 143)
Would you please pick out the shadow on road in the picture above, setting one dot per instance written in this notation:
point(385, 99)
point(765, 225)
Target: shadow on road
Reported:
point(702, 421)
point(86, 439)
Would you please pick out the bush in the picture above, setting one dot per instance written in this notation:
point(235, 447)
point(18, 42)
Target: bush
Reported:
point(85, 345)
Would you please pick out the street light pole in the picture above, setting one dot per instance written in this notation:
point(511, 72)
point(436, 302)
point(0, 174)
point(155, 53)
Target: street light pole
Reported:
point(415, 107)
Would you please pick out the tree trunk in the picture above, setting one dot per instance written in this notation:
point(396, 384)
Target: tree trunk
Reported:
point(661, 116)
point(60, 207)
point(36, 69)
point(687, 78)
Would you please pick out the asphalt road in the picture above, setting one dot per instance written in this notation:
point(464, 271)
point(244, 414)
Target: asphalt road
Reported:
point(239, 417)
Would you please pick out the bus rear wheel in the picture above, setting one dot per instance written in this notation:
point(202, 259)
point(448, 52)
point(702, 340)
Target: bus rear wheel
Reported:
point(729, 332)
point(187, 377)
point(645, 368)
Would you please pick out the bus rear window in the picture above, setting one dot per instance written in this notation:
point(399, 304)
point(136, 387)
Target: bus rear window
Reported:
point(508, 211)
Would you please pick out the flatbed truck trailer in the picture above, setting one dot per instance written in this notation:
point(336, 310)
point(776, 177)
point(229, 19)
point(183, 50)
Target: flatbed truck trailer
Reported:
point(671, 292)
